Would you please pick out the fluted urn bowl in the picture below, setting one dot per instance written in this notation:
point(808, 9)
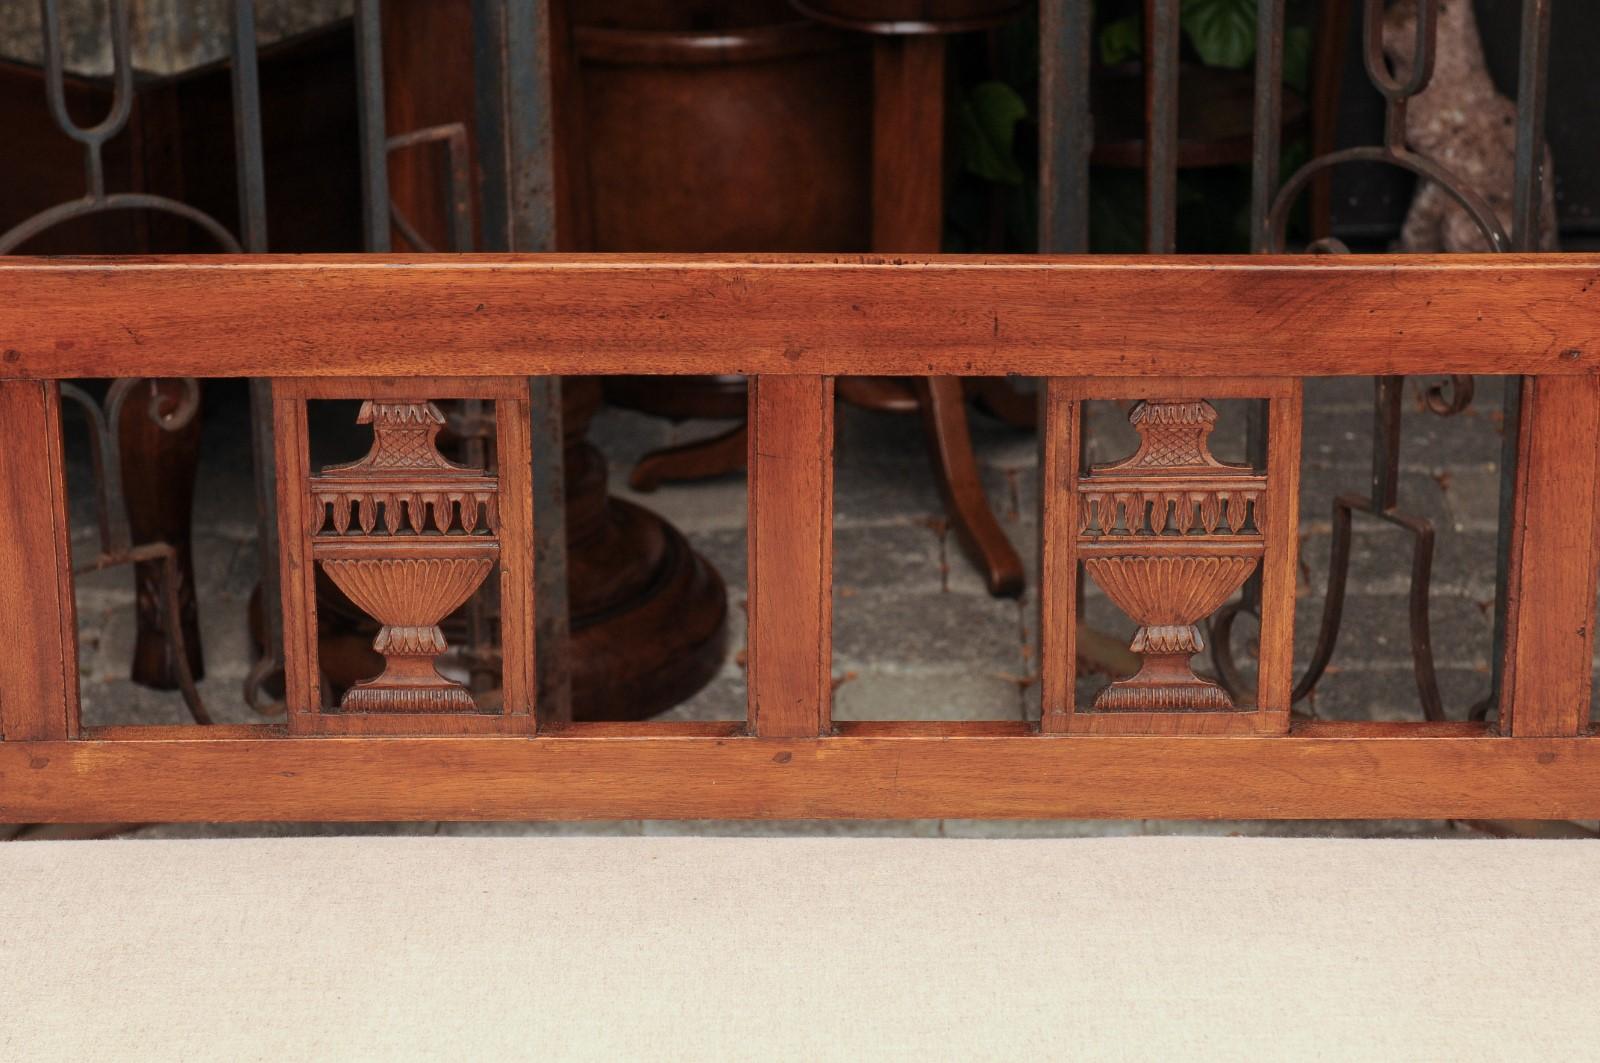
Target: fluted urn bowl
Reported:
point(1173, 590)
point(1166, 593)
point(409, 595)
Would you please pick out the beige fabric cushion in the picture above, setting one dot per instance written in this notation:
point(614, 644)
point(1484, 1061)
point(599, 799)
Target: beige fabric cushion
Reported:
point(805, 949)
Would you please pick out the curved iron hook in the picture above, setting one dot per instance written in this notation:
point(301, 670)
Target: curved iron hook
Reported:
point(1422, 50)
point(110, 515)
point(24, 231)
point(105, 447)
point(1476, 207)
point(1450, 396)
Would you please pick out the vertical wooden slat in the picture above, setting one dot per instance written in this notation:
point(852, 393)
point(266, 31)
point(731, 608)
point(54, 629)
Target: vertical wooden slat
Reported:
point(1275, 678)
point(791, 555)
point(1058, 560)
point(518, 562)
point(296, 575)
point(1551, 602)
point(38, 618)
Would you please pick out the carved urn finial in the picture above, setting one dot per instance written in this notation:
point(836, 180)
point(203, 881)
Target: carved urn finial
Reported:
point(404, 436)
point(437, 543)
point(1169, 533)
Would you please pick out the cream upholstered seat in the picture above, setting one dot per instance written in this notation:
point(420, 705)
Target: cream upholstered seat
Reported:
point(789, 948)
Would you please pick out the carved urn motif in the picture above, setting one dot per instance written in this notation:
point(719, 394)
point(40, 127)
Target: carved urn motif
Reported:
point(1169, 534)
point(408, 535)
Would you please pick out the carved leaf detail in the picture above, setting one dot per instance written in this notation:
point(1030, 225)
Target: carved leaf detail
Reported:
point(1166, 590)
point(410, 595)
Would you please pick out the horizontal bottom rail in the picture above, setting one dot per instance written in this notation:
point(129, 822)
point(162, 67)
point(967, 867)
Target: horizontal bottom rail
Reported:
point(852, 776)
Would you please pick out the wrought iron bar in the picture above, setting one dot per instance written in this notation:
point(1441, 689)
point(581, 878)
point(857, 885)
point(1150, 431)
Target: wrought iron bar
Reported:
point(1066, 141)
point(249, 159)
point(1266, 155)
point(1533, 77)
point(248, 156)
point(458, 185)
point(370, 116)
point(1267, 149)
point(511, 51)
point(1161, 37)
point(1066, 128)
point(514, 86)
point(1445, 398)
point(1527, 197)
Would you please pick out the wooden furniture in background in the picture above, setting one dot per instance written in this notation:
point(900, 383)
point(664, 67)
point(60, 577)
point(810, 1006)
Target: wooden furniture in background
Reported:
point(386, 327)
point(647, 614)
point(908, 117)
point(689, 126)
point(683, 127)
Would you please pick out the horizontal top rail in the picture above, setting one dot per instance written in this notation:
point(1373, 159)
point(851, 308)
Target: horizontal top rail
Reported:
point(495, 315)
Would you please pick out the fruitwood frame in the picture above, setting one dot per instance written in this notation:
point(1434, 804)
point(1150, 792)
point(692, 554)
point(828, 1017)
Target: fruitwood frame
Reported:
point(1160, 325)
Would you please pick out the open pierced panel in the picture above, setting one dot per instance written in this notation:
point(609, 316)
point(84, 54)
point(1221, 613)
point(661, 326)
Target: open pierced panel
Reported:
point(1169, 533)
point(141, 547)
point(400, 540)
point(933, 507)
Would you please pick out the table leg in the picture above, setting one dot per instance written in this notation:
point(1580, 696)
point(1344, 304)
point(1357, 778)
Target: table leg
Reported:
point(908, 215)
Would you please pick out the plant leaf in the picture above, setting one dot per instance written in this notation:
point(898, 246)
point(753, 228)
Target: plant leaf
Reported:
point(986, 127)
point(1223, 32)
point(1297, 57)
point(1121, 40)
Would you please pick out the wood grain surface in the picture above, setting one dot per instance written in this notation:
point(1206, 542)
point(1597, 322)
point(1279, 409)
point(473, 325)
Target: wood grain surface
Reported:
point(38, 615)
point(918, 776)
point(1045, 316)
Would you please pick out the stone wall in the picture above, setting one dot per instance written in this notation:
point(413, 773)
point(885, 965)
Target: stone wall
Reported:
point(168, 36)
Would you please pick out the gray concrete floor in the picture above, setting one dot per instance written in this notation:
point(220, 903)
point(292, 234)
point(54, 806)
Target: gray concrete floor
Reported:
point(915, 634)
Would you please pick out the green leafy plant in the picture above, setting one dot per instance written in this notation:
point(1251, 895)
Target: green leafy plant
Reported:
point(986, 131)
point(1120, 40)
point(1222, 34)
point(992, 201)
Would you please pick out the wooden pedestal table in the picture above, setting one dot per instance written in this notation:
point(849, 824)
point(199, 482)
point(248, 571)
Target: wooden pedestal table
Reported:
point(674, 147)
point(723, 126)
point(908, 87)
